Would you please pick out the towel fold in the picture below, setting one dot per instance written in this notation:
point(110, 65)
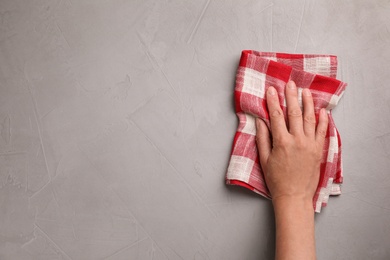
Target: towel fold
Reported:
point(256, 72)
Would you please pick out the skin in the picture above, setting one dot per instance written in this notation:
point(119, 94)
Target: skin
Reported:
point(291, 161)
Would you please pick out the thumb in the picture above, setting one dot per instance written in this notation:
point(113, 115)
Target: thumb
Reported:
point(263, 141)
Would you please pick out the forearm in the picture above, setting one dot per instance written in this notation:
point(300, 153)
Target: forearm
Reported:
point(295, 237)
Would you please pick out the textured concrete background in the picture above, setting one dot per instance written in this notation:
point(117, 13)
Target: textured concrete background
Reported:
point(116, 123)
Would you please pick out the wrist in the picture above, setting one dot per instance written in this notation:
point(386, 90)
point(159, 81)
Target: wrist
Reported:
point(295, 235)
point(296, 203)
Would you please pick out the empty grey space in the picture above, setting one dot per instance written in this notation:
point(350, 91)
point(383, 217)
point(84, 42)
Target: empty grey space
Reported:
point(117, 120)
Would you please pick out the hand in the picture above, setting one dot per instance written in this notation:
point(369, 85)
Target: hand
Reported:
point(291, 165)
point(291, 159)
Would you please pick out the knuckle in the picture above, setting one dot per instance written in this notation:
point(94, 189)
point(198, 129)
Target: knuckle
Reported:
point(321, 132)
point(318, 155)
point(295, 112)
point(276, 113)
point(260, 139)
point(301, 143)
point(282, 140)
point(310, 119)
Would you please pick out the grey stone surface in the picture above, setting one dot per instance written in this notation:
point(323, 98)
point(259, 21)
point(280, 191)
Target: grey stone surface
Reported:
point(117, 119)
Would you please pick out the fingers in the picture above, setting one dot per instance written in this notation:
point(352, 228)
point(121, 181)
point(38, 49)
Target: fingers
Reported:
point(263, 140)
point(322, 127)
point(309, 119)
point(293, 109)
point(278, 125)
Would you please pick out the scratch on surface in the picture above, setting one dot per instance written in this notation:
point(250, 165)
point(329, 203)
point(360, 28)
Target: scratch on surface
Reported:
point(10, 153)
point(126, 247)
point(147, 52)
point(198, 22)
point(55, 198)
point(47, 113)
point(51, 240)
point(197, 196)
point(300, 25)
point(138, 223)
point(63, 36)
point(42, 188)
point(174, 251)
point(154, 64)
point(265, 8)
point(220, 204)
point(171, 85)
point(152, 252)
point(29, 241)
point(35, 110)
point(369, 203)
point(198, 253)
point(145, 102)
point(74, 232)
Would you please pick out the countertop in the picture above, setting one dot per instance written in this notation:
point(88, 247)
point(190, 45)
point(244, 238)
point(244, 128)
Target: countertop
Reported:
point(117, 120)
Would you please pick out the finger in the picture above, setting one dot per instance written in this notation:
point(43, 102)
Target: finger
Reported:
point(322, 127)
point(309, 119)
point(278, 125)
point(263, 141)
point(294, 112)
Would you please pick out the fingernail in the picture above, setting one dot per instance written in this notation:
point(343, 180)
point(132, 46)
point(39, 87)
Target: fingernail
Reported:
point(271, 91)
point(291, 84)
point(323, 111)
point(306, 92)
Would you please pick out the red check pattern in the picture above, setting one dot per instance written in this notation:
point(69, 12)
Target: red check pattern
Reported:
point(256, 72)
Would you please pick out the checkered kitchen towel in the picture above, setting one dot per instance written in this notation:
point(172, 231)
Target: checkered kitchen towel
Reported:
point(256, 72)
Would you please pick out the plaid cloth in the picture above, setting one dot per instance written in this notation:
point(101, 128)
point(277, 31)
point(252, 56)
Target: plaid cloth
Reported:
point(256, 72)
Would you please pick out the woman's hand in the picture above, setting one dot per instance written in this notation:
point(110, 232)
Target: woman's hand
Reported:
point(291, 164)
point(291, 160)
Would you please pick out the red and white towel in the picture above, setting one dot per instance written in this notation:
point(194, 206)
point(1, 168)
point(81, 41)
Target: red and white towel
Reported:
point(256, 72)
